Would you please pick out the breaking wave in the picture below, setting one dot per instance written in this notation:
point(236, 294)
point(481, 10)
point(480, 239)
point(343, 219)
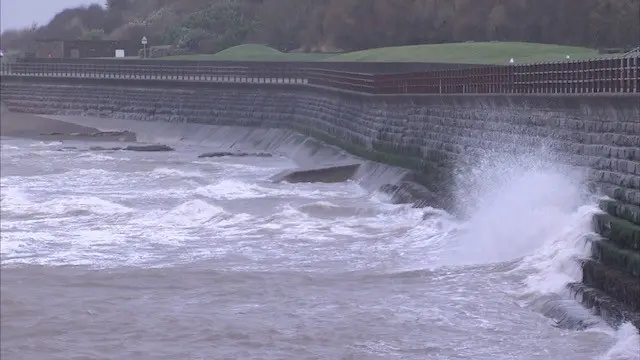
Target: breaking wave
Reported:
point(523, 225)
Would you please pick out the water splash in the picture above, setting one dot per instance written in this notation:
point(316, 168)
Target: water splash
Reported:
point(627, 345)
point(522, 208)
point(512, 206)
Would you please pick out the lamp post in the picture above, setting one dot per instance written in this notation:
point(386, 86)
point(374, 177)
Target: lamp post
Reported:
point(144, 47)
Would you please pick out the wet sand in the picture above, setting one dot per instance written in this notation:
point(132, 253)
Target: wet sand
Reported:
point(31, 126)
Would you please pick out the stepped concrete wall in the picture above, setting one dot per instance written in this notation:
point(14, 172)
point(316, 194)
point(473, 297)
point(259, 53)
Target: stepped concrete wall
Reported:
point(434, 135)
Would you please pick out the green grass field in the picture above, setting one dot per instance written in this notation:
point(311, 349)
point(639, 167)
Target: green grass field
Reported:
point(469, 52)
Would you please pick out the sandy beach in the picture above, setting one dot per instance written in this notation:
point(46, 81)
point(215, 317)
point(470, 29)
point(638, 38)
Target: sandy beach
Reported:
point(31, 126)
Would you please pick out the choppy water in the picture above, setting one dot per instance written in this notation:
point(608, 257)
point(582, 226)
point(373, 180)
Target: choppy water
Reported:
point(165, 256)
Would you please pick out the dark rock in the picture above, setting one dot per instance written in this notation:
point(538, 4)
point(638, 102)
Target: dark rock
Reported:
point(327, 174)
point(110, 135)
point(609, 254)
point(100, 148)
point(148, 148)
point(619, 285)
point(603, 305)
point(565, 313)
point(630, 213)
point(236, 154)
point(121, 135)
point(623, 233)
point(389, 189)
point(408, 192)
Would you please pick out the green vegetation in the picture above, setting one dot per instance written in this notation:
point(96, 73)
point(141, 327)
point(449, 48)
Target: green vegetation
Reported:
point(332, 26)
point(251, 52)
point(217, 27)
point(471, 53)
point(93, 34)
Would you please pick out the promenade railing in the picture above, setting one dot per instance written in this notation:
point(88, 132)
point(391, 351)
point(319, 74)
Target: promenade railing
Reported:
point(620, 75)
point(152, 72)
point(613, 75)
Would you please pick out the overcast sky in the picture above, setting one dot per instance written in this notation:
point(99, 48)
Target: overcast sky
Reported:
point(22, 13)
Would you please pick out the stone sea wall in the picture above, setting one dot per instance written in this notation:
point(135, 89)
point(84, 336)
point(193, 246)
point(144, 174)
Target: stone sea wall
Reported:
point(433, 135)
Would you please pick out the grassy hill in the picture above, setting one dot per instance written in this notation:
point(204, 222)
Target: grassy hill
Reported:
point(470, 52)
point(251, 52)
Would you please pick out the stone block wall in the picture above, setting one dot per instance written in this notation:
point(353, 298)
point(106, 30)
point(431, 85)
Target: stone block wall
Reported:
point(432, 135)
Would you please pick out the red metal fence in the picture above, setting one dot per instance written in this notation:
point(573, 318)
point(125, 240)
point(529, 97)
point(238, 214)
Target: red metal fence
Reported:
point(615, 75)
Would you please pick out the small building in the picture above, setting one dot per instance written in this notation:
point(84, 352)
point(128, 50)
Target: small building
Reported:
point(78, 49)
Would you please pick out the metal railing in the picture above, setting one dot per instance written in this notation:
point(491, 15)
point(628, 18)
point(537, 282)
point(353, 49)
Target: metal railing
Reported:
point(619, 75)
point(613, 75)
point(227, 74)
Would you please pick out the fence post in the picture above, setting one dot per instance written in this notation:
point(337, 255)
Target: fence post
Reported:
point(531, 77)
point(607, 75)
point(634, 82)
point(537, 71)
point(581, 80)
point(629, 74)
point(597, 76)
point(565, 77)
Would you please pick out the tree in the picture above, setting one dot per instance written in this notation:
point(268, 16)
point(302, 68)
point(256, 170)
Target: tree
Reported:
point(281, 23)
point(93, 34)
point(312, 25)
point(223, 24)
point(117, 5)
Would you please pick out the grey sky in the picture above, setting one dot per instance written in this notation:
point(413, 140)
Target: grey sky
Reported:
point(22, 13)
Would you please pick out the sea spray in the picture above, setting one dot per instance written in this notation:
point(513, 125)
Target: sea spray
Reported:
point(512, 204)
point(528, 208)
point(627, 344)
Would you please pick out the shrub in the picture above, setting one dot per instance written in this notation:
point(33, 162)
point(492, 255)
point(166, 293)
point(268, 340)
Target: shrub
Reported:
point(223, 24)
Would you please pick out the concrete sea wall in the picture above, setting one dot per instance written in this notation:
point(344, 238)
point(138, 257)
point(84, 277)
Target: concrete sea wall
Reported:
point(433, 135)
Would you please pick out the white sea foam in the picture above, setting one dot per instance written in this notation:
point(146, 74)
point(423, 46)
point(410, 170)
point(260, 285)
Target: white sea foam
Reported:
point(8, 147)
point(96, 157)
point(518, 210)
point(12, 197)
point(193, 213)
point(555, 264)
point(236, 167)
point(518, 203)
point(515, 207)
point(627, 344)
point(41, 144)
point(17, 203)
point(175, 173)
point(233, 189)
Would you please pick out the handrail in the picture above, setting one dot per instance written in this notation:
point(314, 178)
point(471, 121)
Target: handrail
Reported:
point(607, 75)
